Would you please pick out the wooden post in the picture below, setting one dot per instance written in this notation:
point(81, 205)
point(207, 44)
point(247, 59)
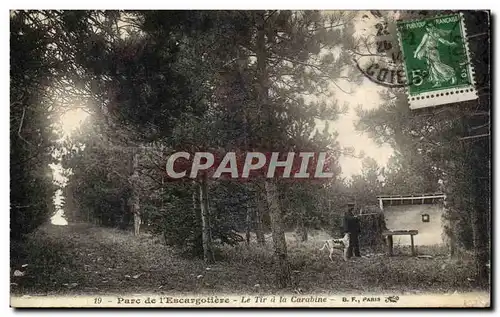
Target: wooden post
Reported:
point(413, 253)
point(389, 245)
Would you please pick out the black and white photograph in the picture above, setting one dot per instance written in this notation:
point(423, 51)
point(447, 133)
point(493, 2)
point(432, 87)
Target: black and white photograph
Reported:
point(250, 158)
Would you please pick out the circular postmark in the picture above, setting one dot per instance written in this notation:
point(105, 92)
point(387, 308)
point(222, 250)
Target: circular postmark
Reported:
point(381, 59)
point(381, 71)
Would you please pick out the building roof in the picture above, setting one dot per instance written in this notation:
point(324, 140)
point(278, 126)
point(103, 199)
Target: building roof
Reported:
point(411, 196)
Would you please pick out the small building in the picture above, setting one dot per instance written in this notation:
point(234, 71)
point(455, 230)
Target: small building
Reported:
point(415, 212)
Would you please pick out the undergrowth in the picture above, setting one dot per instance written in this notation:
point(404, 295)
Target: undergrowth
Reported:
point(84, 259)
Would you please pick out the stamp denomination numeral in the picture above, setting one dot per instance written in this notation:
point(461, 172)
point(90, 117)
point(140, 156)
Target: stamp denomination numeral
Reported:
point(417, 77)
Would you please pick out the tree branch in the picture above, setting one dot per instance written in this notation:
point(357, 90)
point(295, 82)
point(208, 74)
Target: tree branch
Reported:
point(21, 126)
point(475, 136)
point(316, 67)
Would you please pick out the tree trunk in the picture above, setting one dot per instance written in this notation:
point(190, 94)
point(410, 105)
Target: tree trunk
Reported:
point(480, 238)
point(278, 232)
point(208, 256)
point(137, 215)
point(195, 202)
point(481, 209)
point(480, 244)
point(453, 246)
point(135, 195)
point(248, 222)
point(305, 235)
point(280, 252)
point(451, 228)
point(123, 210)
point(449, 223)
point(198, 229)
point(259, 213)
point(301, 228)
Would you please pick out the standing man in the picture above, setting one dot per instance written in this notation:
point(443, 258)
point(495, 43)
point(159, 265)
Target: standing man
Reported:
point(352, 226)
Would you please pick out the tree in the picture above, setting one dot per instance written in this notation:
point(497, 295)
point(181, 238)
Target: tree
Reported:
point(292, 59)
point(305, 200)
point(406, 174)
point(453, 145)
point(32, 138)
point(365, 187)
point(47, 79)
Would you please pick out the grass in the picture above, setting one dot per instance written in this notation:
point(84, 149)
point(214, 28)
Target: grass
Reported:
point(84, 259)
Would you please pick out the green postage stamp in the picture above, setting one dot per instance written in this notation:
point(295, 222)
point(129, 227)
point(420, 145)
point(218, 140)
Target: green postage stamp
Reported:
point(437, 61)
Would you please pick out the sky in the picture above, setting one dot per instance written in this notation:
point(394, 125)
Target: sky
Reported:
point(367, 96)
point(70, 121)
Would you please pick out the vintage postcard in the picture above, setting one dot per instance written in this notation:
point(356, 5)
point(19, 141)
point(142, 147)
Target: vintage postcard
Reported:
point(275, 158)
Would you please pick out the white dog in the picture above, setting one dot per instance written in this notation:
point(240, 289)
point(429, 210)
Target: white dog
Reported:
point(333, 244)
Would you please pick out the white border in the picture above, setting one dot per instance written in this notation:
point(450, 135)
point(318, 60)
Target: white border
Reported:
point(440, 97)
point(348, 300)
point(256, 4)
point(190, 4)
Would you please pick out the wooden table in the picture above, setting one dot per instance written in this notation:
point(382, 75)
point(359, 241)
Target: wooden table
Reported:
point(390, 233)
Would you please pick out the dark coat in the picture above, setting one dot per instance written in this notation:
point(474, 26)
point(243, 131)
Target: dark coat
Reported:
point(351, 225)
